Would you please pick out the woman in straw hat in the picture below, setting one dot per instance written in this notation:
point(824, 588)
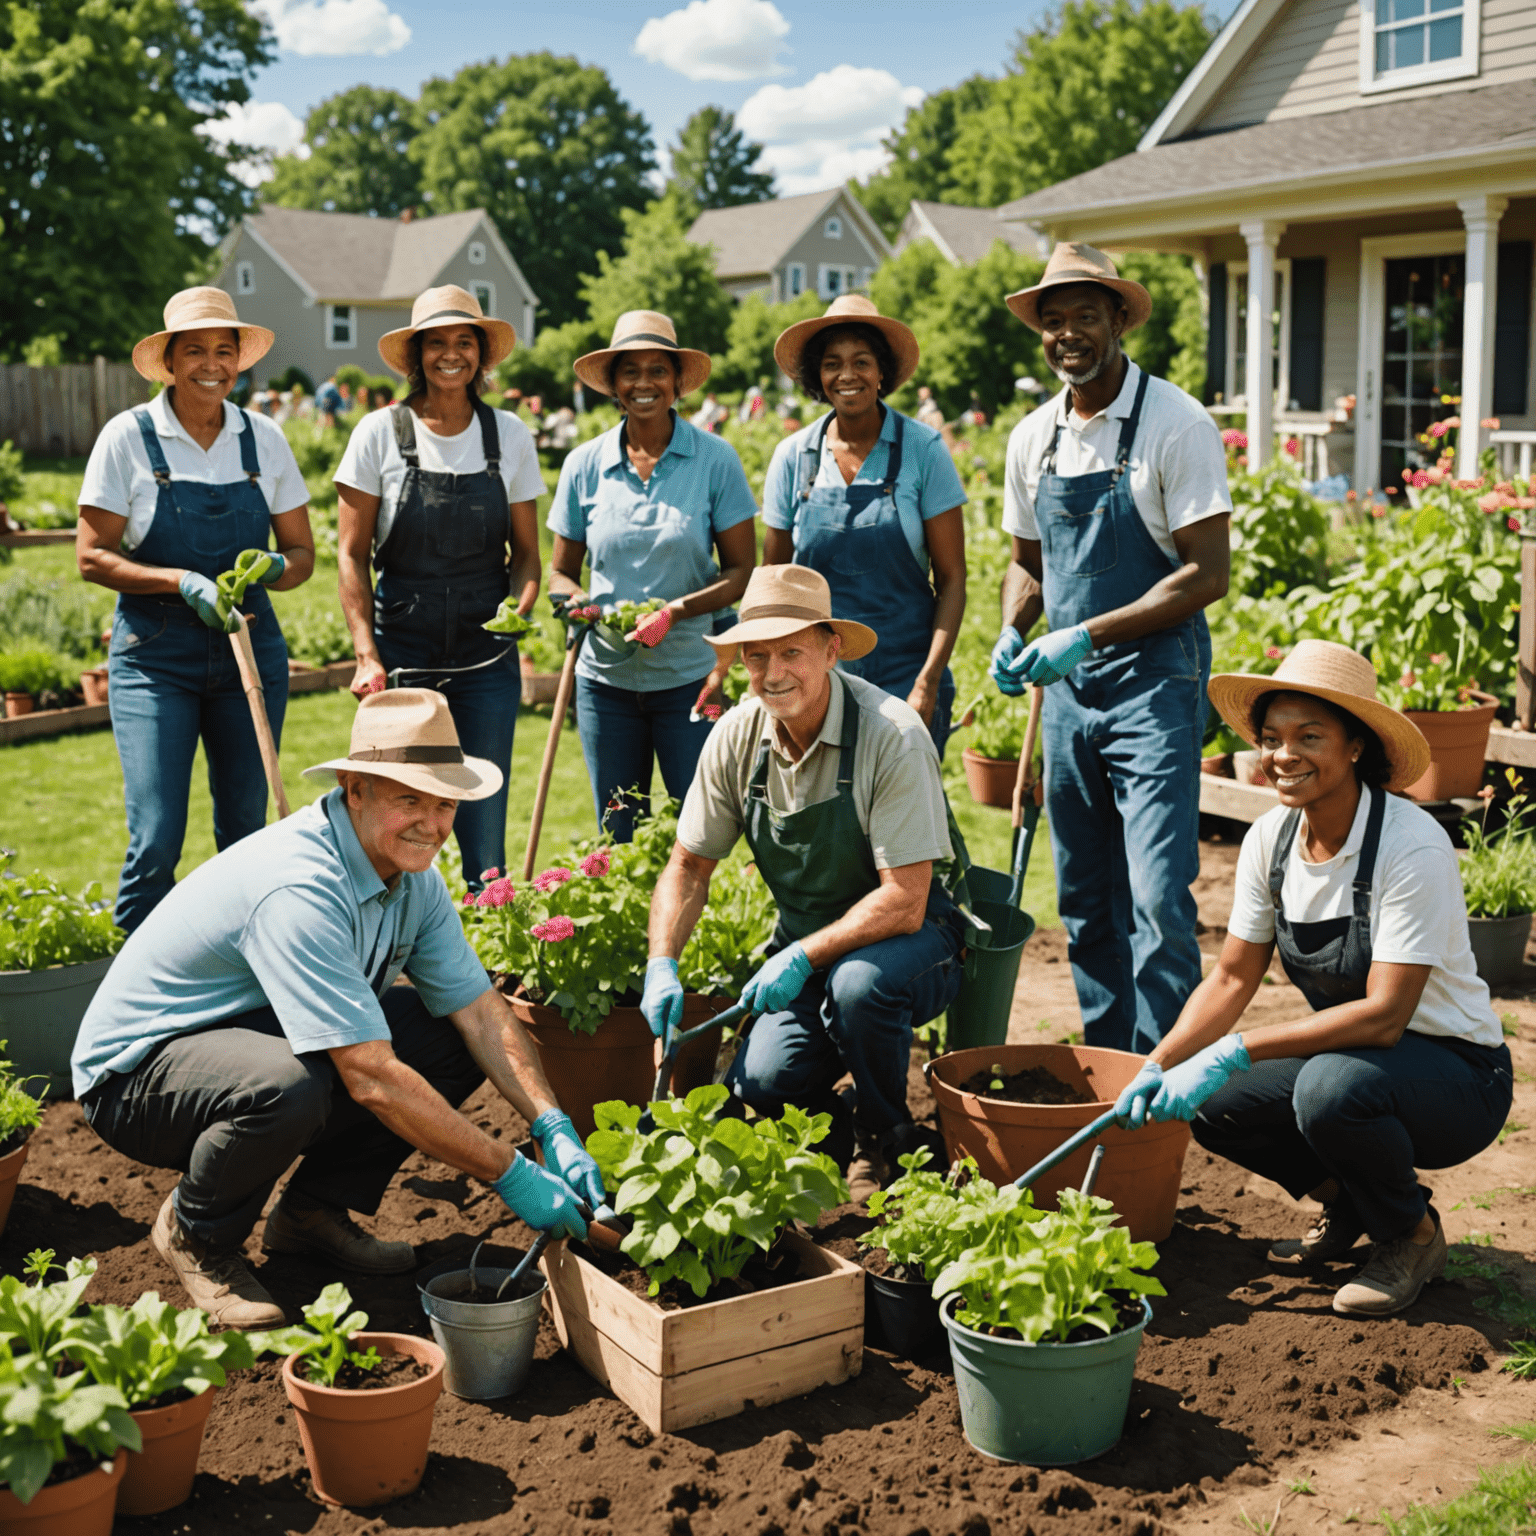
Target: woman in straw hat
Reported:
point(1402, 1063)
point(870, 498)
point(662, 510)
point(433, 492)
point(174, 493)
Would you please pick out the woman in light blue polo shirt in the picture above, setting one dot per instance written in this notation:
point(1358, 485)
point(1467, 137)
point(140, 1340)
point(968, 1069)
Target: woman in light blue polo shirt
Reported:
point(871, 499)
point(661, 510)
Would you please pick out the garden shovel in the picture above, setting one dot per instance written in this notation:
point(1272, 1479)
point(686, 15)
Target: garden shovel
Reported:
point(1025, 817)
point(675, 1043)
point(1078, 1139)
point(250, 680)
point(575, 634)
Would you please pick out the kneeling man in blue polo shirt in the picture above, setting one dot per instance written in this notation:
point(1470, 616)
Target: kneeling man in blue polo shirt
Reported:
point(253, 1019)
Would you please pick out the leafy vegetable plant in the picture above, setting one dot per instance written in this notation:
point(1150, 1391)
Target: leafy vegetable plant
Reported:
point(508, 621)
point(41, 924)
point(232, 583)
point(19, 1110)
point(40, 1318)
point(927, 1220)
point(322, 1347)
point(43, 1416)
point(151, 1348)
point(706, 1192)
point(1044, 1278)
point(1498, 869)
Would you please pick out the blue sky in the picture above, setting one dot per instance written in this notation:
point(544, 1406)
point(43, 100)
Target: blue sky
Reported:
point(819, 84)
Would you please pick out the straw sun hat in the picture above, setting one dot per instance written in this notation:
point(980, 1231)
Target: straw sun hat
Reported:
point(850, 309)
point(448, 305)
point(1074, 262)
point(784, 599)
point(407, 734)
point(1343, 677)
point(643, 330)
point(199, 309)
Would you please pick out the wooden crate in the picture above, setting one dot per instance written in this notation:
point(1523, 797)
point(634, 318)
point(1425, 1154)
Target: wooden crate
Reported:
point(677, 1369)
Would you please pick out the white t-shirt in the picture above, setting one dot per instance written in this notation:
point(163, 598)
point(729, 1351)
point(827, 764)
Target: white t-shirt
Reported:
point(118, 477)
point(1418, 912)
point(372, 462)
point(1178, 465)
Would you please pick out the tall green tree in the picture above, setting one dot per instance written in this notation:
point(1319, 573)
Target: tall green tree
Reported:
point(102, 167)
point(357, 162)
point(550, 149)
point(1172, 343)
point(714, 164)
point(754, 327)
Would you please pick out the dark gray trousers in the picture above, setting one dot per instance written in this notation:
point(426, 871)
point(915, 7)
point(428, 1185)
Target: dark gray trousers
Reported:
point(231, 1106)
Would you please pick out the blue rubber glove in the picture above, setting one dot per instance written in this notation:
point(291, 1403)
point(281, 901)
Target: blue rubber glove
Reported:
point(541, 1198)
point(564, 1153)
point(1054, 655)
point(777, 982)
point(662, 1000)
point(1008, 646)
point(1131, 1106)
point(202, 597)
point(265, 565)
point(1187, 1086)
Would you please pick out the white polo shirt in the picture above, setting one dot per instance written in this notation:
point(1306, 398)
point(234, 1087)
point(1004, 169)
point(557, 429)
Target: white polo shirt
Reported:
point(1178, 465)
point(118, 477)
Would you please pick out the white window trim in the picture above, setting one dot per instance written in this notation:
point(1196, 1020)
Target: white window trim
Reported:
point(848, 279)
point(482, 282)
point(332, 345)
point(1236, 269)
point(474, 253)
point(245, 277)
point(794, 278)
point(833, 228)
point(1374, 255)
point(1372, 84)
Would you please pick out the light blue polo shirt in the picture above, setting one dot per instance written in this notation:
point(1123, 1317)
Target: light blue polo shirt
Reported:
point(928, 484)
point(293, 917)
point(652, 538)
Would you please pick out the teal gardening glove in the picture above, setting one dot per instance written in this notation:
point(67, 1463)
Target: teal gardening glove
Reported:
point(1052, 656)
point(777, 982)
point(662, 1000)
point(202, 597)
point(564, 1153)
point(1131, 1106)
point(1008, 646)
point(1187, 1086)
point(541, 1198)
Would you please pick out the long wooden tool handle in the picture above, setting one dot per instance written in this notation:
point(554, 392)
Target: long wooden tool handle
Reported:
point(1067, 1148)
point(1025, 777)
point(551, 746)
point(250, 680)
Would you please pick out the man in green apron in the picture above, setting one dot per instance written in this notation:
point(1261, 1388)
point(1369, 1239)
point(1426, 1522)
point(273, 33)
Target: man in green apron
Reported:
point(835, 785)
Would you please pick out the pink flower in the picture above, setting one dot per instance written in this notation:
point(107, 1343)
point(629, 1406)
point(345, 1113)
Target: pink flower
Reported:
point(1391, 490)
point(554, 930)
point(652, 629)
point(1293, 447)
point(1420, 480)
point(469, 898)
point(595, 865)
point(1274, 652)
point(1491, 423)
point(1242, 459)
point(1513, 524)
point(499, 893)
point(551, 878)
point(1505, 487)
point(1408, 476)
point(490, 874)
point(1437, 429)
point(1438, 658)
point(711, 712)
point(1351, 495)
point(1491, 502)
point(591, 613)
point(1234, 439)
point(1525, 503)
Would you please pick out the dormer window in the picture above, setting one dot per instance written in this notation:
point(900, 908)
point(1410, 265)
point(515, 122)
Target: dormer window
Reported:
point(1412, 42)
point(833, 228)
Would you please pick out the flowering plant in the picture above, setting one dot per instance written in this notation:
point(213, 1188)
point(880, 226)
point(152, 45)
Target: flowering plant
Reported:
point(1498, 870)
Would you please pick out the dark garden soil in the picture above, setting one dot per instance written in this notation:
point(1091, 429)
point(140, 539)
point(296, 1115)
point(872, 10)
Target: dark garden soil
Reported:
point(764, 1272)
point(1034, 1085)
point(391, 1371)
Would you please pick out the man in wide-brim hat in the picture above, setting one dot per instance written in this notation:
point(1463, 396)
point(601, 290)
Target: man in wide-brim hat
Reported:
point(1117, 503)
point(836, 787)
point(254, 1019)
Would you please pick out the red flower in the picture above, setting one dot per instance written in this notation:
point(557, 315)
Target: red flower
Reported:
point(469, 898)
point(490, 874)
point(551, 878)
point(652, 629)
point(1514, 524)
point(499, 893)
point(595, 865)
point(711, 712)
point(1274, 653)
point(1420, 480)
point(1293, 447)
point(554, 930)
point(1234, 439)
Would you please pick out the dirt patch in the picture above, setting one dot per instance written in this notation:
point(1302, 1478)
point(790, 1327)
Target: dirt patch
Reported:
point(391, 1371)
point(1034, 1085)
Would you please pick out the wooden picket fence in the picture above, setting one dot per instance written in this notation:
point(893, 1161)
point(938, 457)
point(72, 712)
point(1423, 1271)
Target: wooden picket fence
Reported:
point(59, 411)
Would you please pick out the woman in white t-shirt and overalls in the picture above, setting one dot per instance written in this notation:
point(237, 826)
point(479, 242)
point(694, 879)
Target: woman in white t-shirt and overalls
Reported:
point(1402, 1064)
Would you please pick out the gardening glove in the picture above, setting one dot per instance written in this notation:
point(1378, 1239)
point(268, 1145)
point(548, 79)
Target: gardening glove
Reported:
point(262, 565)
point(652, 629)
point(541, 1198)
point(1054, 655)
point(662, 1000)
point(1131, 1106)
point(777, 982)
point(564, 1153)
point(202, 597)
point(1187, 1086)
point(1009, 644)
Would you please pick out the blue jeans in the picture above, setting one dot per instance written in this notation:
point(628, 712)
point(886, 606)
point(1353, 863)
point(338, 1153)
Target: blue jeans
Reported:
point(1366, 1118)
point(173, 681)
point(856, 1016)
point(622, 730)
point(1122, 791)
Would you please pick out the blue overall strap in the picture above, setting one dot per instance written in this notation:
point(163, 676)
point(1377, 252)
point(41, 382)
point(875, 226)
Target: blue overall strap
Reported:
point(490, 434)
point(248, 460)
point(158, 467)
point(812, 450)
point(1129, 425)
point(893, 458)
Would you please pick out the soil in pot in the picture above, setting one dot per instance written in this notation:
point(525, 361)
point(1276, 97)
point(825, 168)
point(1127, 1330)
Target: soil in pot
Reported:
point(1032, 1085)
point(489, 1335)
point(391, 1371)
point(77, 1500)
point(160, 1476)
point(762, 1272)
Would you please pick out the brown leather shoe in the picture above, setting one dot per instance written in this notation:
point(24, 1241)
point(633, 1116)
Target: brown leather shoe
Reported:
point(332, 1235)
point(1334, 1232)
point(1394, 1276)
point(216, 1279)
point(868, 1172)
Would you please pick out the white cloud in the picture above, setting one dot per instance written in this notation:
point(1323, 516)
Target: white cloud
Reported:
point(334, 27)
point(717, 39)
point(821, 163)
point(266, 128)
point(842, 102)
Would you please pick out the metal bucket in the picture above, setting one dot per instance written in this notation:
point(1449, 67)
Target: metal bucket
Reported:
point(489, 1345)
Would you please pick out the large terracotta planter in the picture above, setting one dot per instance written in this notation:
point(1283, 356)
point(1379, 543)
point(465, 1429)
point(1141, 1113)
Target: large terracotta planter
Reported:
point(93, 686)
point(10, 1176)
point(990, 779)
point(40, 1014)
point(1141, 1169)
point(18, 704)
point(81, 1507)
point(368, 1448)
point(160, 1476)
point(1458, 743)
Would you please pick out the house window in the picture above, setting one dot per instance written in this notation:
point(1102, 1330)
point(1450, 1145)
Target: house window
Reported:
point(485, 296)
point(475, 250)
point(340, 326)
point(794, 279)
point(1237, 334)
point(833, 228)
point(1404, 42)
point(245, 277)
point(833, 280)
point(1421, 354)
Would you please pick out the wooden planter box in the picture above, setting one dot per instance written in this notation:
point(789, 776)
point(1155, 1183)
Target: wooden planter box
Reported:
point(676, 1369)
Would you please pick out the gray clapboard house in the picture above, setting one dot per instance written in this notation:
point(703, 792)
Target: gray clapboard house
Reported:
point(330, 284)
point(961, 234)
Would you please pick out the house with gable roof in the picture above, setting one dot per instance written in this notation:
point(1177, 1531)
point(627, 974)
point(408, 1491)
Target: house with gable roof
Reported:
point(962, 235)
point(1369, 168)
point(329, 285)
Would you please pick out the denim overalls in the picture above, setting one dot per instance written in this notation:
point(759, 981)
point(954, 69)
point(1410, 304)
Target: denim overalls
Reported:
point(1122, 737)
point(173, 679)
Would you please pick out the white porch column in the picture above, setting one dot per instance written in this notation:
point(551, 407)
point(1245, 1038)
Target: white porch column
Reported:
point(1481, 215)
point(1262, 237)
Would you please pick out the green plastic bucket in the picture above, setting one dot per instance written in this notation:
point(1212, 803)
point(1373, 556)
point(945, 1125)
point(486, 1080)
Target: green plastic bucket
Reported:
point(979, 1014)
point(40, 1013)
point(1050, 1405)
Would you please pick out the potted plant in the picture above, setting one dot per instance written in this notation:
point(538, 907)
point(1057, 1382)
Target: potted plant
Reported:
point(364, 1400)
point(740, 1308)
point(1498, 877)
point(42, 1318)
point(20, 1115)
point(1045, 1318)
point(26, 674)
point(992, 757)
point(54, 950)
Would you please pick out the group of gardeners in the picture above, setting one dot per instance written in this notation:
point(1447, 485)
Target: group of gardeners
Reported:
point(253, 1018)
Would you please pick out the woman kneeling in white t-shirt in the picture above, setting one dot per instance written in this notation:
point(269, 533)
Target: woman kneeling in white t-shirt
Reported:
point(1402, 1063)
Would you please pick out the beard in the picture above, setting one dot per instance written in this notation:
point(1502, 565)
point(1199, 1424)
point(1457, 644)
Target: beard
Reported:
point(1087, 376)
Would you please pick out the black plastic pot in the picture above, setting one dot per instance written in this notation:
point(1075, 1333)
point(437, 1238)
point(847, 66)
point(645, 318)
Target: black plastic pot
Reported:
point(906, 1314)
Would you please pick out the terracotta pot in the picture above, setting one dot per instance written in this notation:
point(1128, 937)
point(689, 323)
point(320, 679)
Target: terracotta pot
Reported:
point(991, 779)
point(1218, 766)
point(93, 685)
point(18, 704)
point(1458, 742)
point(1141, 1169)
point(10, 1176)
point(367, 1448)
point(160, 1476)
point(1245, 767)
point(81, 1507)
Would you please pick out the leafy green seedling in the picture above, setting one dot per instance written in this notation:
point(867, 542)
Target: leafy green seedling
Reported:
point(996, 1085)
point(927, 1220)
point(1525, 1432)
point(151, 1348)
point(1510, 1023)
point(1510, 1127)
point(322, 1347)
point(40, 1318)
point(44, 1415)
point(1302, 1486)
point(1522, 1359)
point(41, 924)
point(508, 621)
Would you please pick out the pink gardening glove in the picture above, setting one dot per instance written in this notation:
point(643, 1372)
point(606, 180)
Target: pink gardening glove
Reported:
point(652, 630)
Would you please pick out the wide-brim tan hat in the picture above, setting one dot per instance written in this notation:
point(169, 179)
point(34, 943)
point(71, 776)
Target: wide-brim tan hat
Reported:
point(1344, 677)
point(643, 330)
point(1074, 262)
point(407, 734)
point(199, 309)
point(850, 309)
point(784, 599)
point(448, 305)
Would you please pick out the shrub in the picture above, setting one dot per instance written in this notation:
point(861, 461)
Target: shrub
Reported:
point(318, 637)
point(11, 477)
point(63, 617)
point(32, 671)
